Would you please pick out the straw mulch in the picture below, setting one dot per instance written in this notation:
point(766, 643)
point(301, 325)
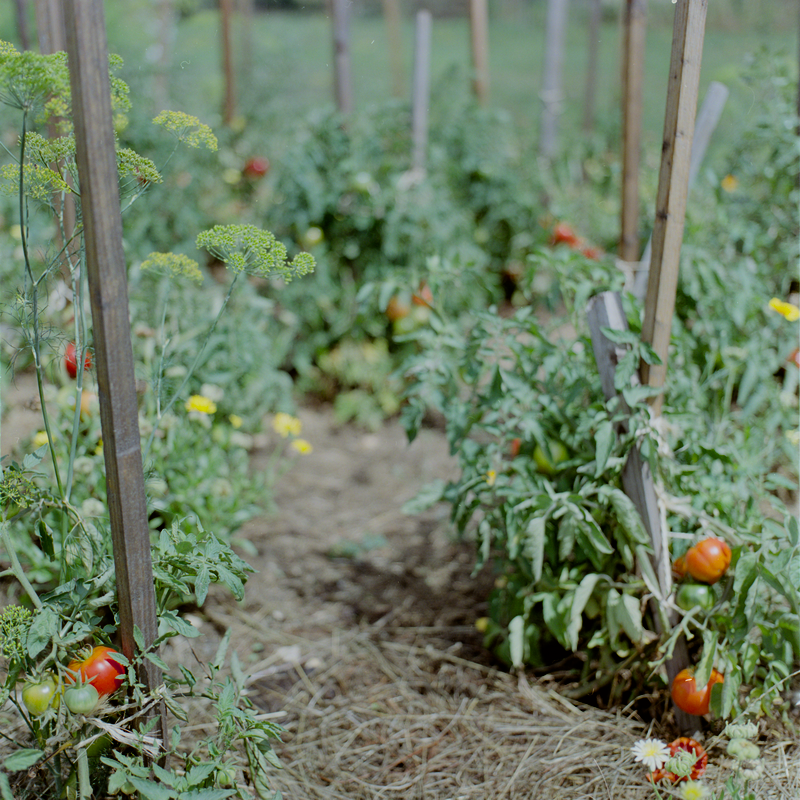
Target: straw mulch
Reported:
point(373, 714)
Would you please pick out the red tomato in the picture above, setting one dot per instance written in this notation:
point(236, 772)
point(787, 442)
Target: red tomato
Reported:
point(708, 560)
point(794, 357)
point(71, 360)
point(691, 746)
point(397, 309)
point(679, 568)
point(563, 234)
point(256, 167)
point(100, 669)
point(688, 697)
point(591, 252)
point(516, 443)
point(423, 296)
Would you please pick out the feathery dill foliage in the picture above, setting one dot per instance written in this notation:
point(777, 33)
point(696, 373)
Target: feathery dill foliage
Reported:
point(29, 80)
point(187, 129)
point(15, 621)
point(175, 265)
point(246, 248)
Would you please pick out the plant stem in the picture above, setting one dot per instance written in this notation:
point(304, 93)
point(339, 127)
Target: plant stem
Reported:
point(16, 567)
point(191, 369)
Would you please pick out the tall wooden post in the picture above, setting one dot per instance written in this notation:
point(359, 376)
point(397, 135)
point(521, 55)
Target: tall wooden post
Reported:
point(229, 99)
point(421, 91)
point(97, 168)
point(479, 29)
point(391, 11)
point(595, 15)
point(551, 86)
point(342, 78)
point(632, 90)
point(673, 185)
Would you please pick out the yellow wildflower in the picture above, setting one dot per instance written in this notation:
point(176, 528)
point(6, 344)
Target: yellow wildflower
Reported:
point(693, 790)
point(787, 310)
point(285, 425)
point(491, 477)
point(39, 439)
point(302, 446)
point(729, 183)
point(235, 420)
point(200, 404)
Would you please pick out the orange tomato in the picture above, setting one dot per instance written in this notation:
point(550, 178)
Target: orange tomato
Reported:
point(708, 560)
point(686, 694)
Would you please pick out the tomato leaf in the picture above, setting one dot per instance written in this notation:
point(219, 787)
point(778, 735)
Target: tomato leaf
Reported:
point(628, 516)
point(702, 671)
point(42, 630)
point(5, 787)
point(534, 544)
point(516, 639)
point(629, 615)
point(23, 758)
point(580, 597)
point(604, 444)
point(202, 582)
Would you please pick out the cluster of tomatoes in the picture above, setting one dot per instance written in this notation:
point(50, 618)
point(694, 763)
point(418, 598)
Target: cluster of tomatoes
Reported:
point(563, 234)
point(706, 562)
point(92, 676)
point(684, 743)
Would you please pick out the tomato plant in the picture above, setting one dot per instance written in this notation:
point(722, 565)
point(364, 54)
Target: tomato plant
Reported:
point(708, 560)
point(692, 595)
point(688, 697)
point(39, 695)
point(81, 698)
point(71, 360)
point(101, 669)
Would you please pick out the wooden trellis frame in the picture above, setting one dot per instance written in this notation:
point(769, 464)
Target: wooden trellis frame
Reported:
point(87, 51)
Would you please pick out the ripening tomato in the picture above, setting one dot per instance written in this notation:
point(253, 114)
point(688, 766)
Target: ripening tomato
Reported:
point(707, 560)
point(688, 697)
point(563, 234)
point(690, 746)
point(100, 669)
point(40, 694)
point(692, 595)
point(423, 296)
point(591, 252)
point(81, 698)
point(256, 167)
point(679, 568)
point(397, 309)
point(71, 360)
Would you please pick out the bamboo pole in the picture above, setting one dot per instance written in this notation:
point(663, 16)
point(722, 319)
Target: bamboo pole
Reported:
point(632, 91)
point(421, 91)
point(673, 185)
point(105, 260)
point(479, 30)
point(391, 11)
point(342, 80)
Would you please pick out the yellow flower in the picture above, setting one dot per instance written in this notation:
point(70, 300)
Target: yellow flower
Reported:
point(729, 183)
point(98, 451)
point(787, 310)
point(693, 790)
point(302, 446)
point(236, 421)
point(39, 439)
point(200, 404)
point(491, 477)
point(285, 424)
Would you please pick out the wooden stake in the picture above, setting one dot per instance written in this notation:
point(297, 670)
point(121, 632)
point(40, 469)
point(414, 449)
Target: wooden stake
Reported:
point(421, 91)
point(605, 311)
point(551, 85)
point(707, 119)
point(391, 11)
point(479, 29)
point(595, 14)
point(673, 185)
point(97, 167)
point(342, 80)
point(632, 90)
point(228, 72)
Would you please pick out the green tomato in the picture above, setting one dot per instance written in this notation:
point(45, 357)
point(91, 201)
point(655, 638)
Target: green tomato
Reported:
point(81, 699)
point(39, 695)
point(693, 595)
point(547, 463)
